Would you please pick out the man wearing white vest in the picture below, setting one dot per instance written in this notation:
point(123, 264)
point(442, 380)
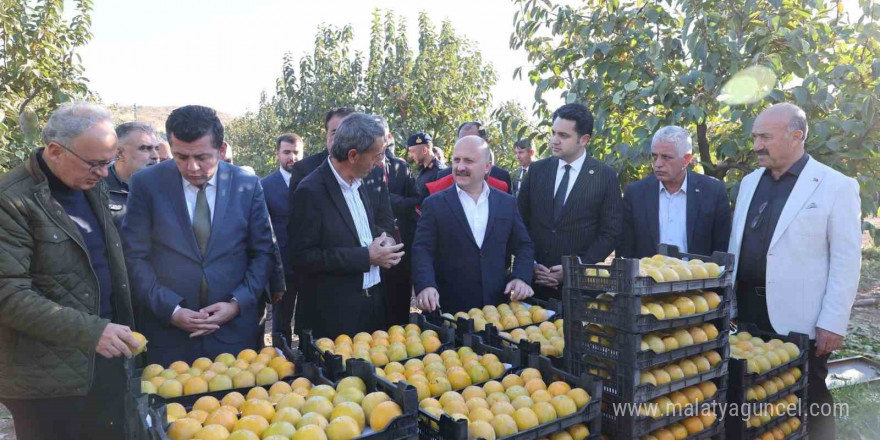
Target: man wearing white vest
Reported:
point(797, 237)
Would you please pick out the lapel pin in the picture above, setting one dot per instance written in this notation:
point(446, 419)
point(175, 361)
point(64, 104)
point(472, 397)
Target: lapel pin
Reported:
point(815, 179)
point(698, 190)
point(591, 171)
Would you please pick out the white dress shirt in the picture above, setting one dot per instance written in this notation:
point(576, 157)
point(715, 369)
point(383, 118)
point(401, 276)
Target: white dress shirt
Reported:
point(361, 221)
point(572, 174)
point(476, 212)
point(286, 176)
point(191, 192)
point(673, 216)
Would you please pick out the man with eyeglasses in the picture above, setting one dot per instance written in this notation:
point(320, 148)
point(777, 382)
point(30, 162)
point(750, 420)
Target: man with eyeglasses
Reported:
point(138, 149)
point(797, 235)
point(65, 307)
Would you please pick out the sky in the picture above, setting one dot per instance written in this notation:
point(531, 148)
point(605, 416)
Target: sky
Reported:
point(223, 53)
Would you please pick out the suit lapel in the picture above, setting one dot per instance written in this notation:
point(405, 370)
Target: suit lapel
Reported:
point(585, 176)
point(368, 207)
point(178, 202)
point(221, 201)
point(694, 192)
point(451, 196)
point(338, 199)
point(806, 184)
point(652, 209)
point(548, 190)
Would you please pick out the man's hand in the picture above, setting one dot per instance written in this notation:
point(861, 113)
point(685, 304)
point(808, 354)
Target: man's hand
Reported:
point(545, 276)
point(218, 314)
point(382, 255)
point(115, 341)
point(827, 341)
point(556, 273)
point(428, 299)
point(389, 241)
point(518, 290)
point(192, 322)
point(276, 297)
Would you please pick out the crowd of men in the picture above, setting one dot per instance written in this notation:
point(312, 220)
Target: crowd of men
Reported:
point(102, 234)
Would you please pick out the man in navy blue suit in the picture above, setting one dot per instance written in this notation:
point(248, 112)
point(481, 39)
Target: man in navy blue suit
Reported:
point(289, 149)
point(674, 205)
point(198, 245)
point(465, 236)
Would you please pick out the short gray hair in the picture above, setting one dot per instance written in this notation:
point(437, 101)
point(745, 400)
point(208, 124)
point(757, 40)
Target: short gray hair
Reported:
point(798, 118)
point(123, 131)
point(675, 135)
point(383, 123)
point(71, 119)
point(358, 131)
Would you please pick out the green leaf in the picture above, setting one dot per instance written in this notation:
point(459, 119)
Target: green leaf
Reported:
point(630, 86)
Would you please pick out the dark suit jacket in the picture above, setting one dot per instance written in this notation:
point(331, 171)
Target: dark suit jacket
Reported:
point(446, 256)
point(165, 265)
point(590, 219)
point(496, 172)
point(708, 217)
point(402, 191)
point(328, 258)
point(278, 203)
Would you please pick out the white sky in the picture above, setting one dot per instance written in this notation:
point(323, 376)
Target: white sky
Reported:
point(223, 53)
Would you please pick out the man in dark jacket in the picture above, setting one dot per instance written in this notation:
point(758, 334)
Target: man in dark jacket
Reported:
point(674, 205)
point(65, 308)
point(138, 149)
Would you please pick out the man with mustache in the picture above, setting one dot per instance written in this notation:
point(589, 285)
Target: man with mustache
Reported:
point(674, 205)
point(797, 236)
point(138, 149)
point(465, 237)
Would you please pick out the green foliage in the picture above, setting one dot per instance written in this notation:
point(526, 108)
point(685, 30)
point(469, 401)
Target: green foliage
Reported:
point(860, 420)
point(40, 68)
point(434, 88)
point(641, 64)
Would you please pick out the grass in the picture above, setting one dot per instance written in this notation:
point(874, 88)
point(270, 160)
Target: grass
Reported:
point(863, 419)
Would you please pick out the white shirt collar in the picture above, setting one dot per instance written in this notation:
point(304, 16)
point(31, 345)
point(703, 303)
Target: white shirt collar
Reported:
point(576, 165)
point(484, 194)
point(684, 186)
point(285, 175)
point(342, 183)
point(211, 182)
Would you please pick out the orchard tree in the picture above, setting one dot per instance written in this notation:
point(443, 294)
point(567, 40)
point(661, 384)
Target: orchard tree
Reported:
point(643, 64)
point(39, 68)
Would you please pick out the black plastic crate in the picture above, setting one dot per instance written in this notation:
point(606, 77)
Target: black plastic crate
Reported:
point(739, 376)
point(623, 382)
point(623, 312)
point(526, 348)
point(333, 364)
point(446, 428)
point(715, 432)
point(624, 274)
point(737, 428)
point(625, 348)
point(404, 427)
point(633, 425)
point(464, 326)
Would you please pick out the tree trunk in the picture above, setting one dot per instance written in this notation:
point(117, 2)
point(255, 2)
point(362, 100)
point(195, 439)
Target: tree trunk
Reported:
point(703, 148)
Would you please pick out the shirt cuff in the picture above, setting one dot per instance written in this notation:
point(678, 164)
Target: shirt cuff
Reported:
point(176, 308)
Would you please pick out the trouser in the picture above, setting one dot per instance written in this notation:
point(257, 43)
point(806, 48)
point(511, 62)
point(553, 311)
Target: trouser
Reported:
point(283, 312)
point(398, 292)
point(98, 415)
point(752, 307)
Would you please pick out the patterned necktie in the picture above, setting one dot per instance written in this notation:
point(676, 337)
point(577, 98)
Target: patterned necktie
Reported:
point(202, 231)
point(559, 199)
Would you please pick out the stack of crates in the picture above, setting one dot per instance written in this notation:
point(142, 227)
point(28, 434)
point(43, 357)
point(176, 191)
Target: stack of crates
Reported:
point(613, 330)
point(767, 399)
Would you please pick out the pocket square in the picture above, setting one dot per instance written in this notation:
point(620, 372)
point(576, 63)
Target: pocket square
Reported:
point(812, 205)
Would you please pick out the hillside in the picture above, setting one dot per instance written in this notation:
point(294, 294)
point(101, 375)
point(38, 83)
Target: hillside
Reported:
point(151, 114)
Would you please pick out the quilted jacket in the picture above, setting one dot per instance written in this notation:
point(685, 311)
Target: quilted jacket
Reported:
point(49, 301)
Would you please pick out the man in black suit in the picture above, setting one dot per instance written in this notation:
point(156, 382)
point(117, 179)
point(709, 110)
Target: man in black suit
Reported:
point(674, 205)
point(289, 149)
point(525, 155)
point(337, 248)
point(570, 202)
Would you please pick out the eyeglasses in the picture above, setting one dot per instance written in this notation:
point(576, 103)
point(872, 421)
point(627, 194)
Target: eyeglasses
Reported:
point(757, 220)
point(94, 166)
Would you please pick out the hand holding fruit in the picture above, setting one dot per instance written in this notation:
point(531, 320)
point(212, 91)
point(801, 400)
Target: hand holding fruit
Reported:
point(518, 290)
point(115, 341)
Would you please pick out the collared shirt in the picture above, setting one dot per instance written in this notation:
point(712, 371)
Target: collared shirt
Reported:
point(476, 212)
point(286, 175)
point(572, 174)
point(191, 192)
point(521, 175)
point(764, 211)
point(361, 221)
point(673, 216)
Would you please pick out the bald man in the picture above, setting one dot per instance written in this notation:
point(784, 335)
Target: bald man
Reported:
point(797, 236)
point(465, 237)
